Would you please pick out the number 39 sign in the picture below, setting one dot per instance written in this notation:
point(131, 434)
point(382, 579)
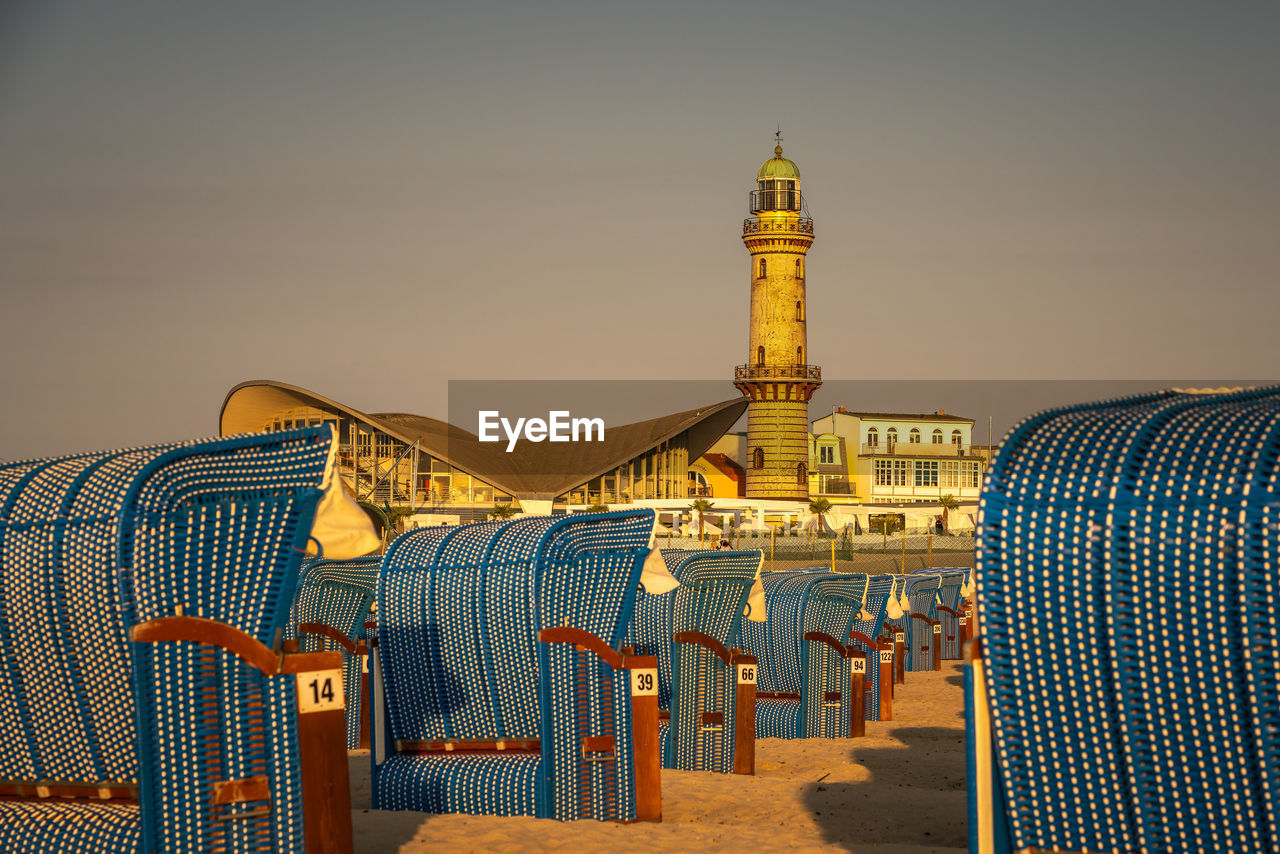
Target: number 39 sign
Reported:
point(320, 691)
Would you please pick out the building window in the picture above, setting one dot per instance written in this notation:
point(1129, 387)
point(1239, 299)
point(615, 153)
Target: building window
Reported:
point(760, 355)
point(826, 454)
point(901, 469)
point(926, 472)
point(873, 437)
point(891, 437)
point(937, 437)
point(802, 474)
point(764, 267)
point(914, 436)
point(956, 438)
point(892, 472)
point(757, 458)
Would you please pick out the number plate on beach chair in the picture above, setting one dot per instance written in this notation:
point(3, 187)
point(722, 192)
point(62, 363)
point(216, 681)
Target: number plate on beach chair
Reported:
point(644, 683)
point(320, 691)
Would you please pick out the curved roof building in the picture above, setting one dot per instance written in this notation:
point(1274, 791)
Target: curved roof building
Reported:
point(401, 458)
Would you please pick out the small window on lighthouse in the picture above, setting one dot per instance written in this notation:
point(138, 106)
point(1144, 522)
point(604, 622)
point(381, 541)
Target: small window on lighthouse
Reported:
point(799, 269)
point(802, 474)
point(763, 268)
point(799, 309)
point(757, 458)
point(799, 356)
point(760, 355)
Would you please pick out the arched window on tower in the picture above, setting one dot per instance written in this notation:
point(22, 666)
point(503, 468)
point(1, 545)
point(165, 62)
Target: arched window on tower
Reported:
point(757, 458)
point(764, 268)
point(760, 356)
point(802, 474)
point(799, 309)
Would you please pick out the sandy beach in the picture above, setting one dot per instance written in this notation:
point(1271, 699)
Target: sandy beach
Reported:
point(899, 790)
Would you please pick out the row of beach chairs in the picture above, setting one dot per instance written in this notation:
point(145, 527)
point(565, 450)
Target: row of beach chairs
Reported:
point(178, 676)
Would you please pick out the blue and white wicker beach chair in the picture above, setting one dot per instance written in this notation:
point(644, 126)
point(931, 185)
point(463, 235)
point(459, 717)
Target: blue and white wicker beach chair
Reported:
point(333, 601)
point(1123, 694)
point(200, 734)
point(805, 687)
point(867, 636)
point(706, 685)
point(497, 653)
point(923, 629)
point(948, 607)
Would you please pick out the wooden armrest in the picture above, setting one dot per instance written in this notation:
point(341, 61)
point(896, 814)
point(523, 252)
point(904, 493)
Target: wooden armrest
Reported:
point(245, 647)
point(331, 633)
point(705, 641)
point(823, 637)
point(944, 609)
point(917, 616)
point(585, 641)
point(863, 639)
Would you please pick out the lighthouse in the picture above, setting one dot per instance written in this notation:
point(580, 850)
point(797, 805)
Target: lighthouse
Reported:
point(778, 378)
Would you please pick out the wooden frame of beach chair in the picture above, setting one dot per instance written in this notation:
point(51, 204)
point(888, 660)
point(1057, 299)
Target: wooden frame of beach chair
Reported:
point(155, 713)
point(558, 722)
point(1163, 733)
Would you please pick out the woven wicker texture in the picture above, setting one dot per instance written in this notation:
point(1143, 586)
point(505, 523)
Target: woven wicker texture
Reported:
point(710, 599)
point(810, 600)
point(1126, 583)
point(339, 594)
point(459, 613)
point(90, 545)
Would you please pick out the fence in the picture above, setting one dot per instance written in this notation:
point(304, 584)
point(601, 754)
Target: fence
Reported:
point(874, 554)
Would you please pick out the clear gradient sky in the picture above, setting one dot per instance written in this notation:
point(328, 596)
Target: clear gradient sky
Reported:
point(371, 199)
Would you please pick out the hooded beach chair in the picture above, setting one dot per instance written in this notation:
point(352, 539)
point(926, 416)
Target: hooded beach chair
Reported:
point(1123, 693)
point(949, 606)
point(333, 602)
point(498, 680)
point(923, 629)
point(867, 635)
point(146, 703)
point(706, 686)
point(805, 687)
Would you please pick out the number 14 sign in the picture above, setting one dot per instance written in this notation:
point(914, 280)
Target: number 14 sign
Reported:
point(320, 691)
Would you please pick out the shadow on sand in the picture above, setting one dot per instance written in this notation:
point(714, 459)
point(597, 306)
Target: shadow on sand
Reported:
point(900, 803)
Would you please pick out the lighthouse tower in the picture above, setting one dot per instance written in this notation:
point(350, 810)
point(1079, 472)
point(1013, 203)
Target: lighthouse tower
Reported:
point(777, 376)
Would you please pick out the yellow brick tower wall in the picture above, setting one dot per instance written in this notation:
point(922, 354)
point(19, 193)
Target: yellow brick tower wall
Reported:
point(778, 376)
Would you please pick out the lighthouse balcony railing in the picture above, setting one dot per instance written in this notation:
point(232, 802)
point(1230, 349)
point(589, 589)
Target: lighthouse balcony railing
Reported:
point(780, 372)
point(753, 225)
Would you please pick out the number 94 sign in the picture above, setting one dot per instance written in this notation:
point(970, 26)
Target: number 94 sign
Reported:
point(320, 691)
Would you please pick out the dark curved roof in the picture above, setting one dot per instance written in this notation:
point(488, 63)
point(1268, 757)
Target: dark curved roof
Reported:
point(541, 471)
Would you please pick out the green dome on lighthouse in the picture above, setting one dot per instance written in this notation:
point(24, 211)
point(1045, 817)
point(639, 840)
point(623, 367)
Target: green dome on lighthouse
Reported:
point(778, 166)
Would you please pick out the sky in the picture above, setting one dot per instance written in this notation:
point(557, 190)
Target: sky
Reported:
point(371, 200)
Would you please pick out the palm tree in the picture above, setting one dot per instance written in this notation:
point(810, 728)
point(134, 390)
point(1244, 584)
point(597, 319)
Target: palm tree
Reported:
point(502, 511)
point(597, 508)
point(948, 503)
point(701, 506)
point(819, 508)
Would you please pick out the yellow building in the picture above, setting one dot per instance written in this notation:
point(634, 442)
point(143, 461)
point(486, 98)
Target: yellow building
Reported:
point(777, 376)
point(893, 458)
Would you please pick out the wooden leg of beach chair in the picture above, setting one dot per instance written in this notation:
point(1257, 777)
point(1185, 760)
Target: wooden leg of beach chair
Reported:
point(322, 745)
point(900, 657)
point(937, 645)
point(364, 702)
point(744, 731)
point(886, 682)
point(858, 710)
point(644, 735)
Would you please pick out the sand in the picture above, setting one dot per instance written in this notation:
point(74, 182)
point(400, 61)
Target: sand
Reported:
point(899, 790)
